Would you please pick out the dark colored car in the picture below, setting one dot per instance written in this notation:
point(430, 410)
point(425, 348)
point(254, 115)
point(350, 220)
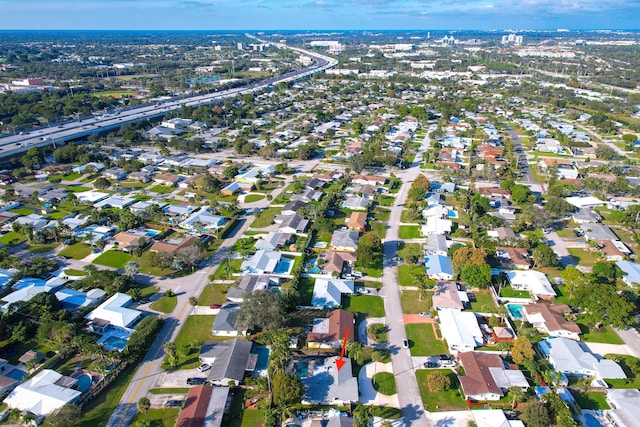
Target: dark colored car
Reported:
point(173, 404)
point(196, 381)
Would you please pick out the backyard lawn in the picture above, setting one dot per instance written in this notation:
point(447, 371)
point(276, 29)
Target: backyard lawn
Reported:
point(225, 271)
point(449, 400)
point(371, 306)
point(409, 232)
point(411, 304)
point(112, 258)
point(508, 292)
point(483, 303)
point(584, 257)
point(165, 304)
point(12, 238)
point(608, 335)
point(631, 366)
point(384, 383)
point(590, 399)
point(76, 251)
point(422, 342)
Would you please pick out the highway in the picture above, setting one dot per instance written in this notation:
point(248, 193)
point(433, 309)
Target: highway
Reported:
point(57, 133)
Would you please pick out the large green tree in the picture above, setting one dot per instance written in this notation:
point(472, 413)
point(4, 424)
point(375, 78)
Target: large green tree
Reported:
point(262, 310)
point(369, 251)
point(287, 389)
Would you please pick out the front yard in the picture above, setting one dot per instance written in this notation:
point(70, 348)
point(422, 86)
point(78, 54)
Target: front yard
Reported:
point(369, 305)
point(409, 232)
point(411, 304)
point(195, 331)
point(113, 258)
point(422, 341)
point(448, 400)
point(76, 251)
point(607, 335)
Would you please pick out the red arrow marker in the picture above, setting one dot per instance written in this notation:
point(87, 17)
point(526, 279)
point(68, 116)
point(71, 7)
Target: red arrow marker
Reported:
point(339, 362)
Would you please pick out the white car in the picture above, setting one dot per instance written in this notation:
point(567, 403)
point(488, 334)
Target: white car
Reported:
point(204, 367)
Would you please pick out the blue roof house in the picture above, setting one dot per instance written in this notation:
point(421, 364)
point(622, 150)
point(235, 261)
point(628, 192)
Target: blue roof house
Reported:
point(439, 267)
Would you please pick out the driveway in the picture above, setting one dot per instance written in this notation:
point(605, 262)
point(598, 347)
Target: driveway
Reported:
point(362, 327)
point(416, 318)
point(603, 349)
point(178, 378)
point(368, 395)
point(560, 249)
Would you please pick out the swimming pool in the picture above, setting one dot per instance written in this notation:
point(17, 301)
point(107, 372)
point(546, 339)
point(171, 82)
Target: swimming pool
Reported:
point(113, 343)
point(151, 232)
point(84, 383)
point(312, 267)
point(516, 311)
point(284, 266)
point(263, 357)
point(591, 421)
point(302, 369)
point(453, 214)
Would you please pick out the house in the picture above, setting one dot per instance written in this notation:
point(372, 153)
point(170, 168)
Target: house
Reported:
point(327, 293)
point(256, 173)
point(235, 187)
point(274, 240)
point(7, 384)
point(35, 221)
point(132, 239)
point(191, 181)
point(140, 176)
point(88, 167)
point(226, 322)
point(113, 314)
point(293, 207)
point(447, 295)
point(597, 231)
point(584, 216)
point(327, 385)
point(331, 331)
point(181, 212)
point(172, 246)
point(167, 178)
point(27, 288)
point(356, 203)
point(203, 407)
point(43, 393)
point(631, 272)
point(307, 196)
point(141, 206)
point(571, 358)
point(436, 225)
point(493, 192)
point(358, 221)
point(345, 240)
point(203, 221)
point(229, 360)
point(72, 299)
point(486, 376)
point(550, 319)
point(367, 191)
point(370, 180)
point(533, 281)
point(264, 261)
point(584, 202)
point(248, 285)
point(334, 261)
point(613, 250)
point(460, 329)
point(494, 418)
point(118, 202)
point(439, 267)
point(513, 258)
point(116, 174)
point(502, 234)
point(435, 211)
point(625, 407)
point(34, 356)
point(292, 224)
point(436, 245)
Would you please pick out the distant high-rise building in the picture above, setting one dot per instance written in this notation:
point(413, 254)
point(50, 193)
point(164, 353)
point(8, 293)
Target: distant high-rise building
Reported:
point(240, 46)
point(512, 39)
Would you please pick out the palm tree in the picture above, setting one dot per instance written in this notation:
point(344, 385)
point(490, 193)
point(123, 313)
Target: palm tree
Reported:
point(194, 302)
point(354, 350)
point(517, 395)
point(362, 415)
point(143, 405)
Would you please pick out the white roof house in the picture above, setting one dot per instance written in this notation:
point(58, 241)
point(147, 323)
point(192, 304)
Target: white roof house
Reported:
point(91, 196)
point(631, 272)
point(117, 202)
point(625, 407)
point(114, 312)
point(584, 202)
point(436, 225)
point(494, 418)
point(327, 293)
point(25, 289)
point(206, 220)
point(569, 357)
point(262, 262)
point(460, 329)
point(532, 281)
point(43, 393)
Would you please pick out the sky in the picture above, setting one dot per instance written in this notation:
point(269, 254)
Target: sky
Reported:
point(319, 14)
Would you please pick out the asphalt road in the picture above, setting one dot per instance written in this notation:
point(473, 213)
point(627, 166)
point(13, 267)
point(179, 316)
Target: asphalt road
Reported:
point(522, 158)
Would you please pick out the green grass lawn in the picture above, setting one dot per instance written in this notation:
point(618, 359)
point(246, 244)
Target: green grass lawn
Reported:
point(250, 198)
point(386, 200)
point(590, 399)
point(584, 257)
point(78, 188)
point(22, 211)
point(484, 303)
point(422, 342)
point(71, 176)
point(384, 383)
point(12, 239)
point(512, 293)
point(449, 400)
point(372, 271)
point(380, 228)
point(239, 416)
point(74, 272)
point(96, 413)
point(165, 304)
point(113, 258)
point(195, 331)
point(631, 367)
point(57, 215)
point(566, 233)
point(608, 335)
point(213, 294)
point(381, 337)
point(147, 267)
point(369, 305)
point(411, 304)
point(409, 232)
point(222, 273)
point(162, 189)
point(266, 217)
point(161, 417)
point(170, 390)
point(407, 272)
point(76, 251)
point(42, 248)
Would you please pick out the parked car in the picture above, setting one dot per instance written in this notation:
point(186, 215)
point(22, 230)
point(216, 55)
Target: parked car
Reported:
point(405, 343)
point(214, 306)
point(204, 367)
point(196, 381)
point(430, 364)
point(173, 403)
point(425, 314)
